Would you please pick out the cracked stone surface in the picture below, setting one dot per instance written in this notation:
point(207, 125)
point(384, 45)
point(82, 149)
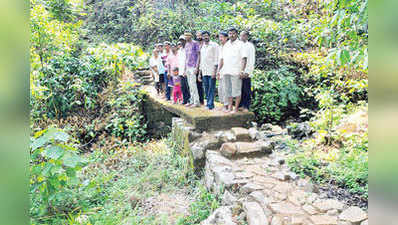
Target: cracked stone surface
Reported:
point(260, 188)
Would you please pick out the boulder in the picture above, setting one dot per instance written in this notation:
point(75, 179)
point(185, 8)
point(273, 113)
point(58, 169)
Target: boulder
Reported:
point(222, 215)
point(324, 220)
point(255, 214)
point(241, 134)
point(328, 204)
point(300, 130)
point(354, 215)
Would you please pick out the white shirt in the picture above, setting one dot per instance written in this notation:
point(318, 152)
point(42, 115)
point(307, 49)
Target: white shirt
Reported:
point(220, 48)
point(251, 57)
point(232, 54)
point(208, 58)
point(181, 60)
point(158, 63)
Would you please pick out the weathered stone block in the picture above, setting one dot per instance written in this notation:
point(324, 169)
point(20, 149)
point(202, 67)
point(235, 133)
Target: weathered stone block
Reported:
point(354, 215)
point(241, 134)
point(255, 214)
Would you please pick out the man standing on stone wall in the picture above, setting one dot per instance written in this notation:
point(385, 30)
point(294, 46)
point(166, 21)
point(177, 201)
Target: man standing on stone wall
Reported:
point(208, 67)
point(192, 50)
point(181, 69)
point(246, 76)
point(199, 76)
point(233, 63)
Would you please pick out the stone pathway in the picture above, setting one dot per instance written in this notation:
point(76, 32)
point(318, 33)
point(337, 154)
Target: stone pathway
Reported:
point(256, 185)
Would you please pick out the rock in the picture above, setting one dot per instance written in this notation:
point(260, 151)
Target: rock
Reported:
point(241, 134)
point(293, 176)
point(297, 197)
point(254, 134)
point(344, 223)
point(209, 142)
point(333, 212)
point(266, 126)
point(353, 214)
point(286, 208)
point(300, 130)
point(222, 215)
point(193, 135)
point(307, 185)
point(250, 187)
point(198, 151)
point(259, 197)
point(276, 221)
point(228, 198)
point(281, 176)
point(254, 147)
point(298, 220)
point(323, 220)
point(310, 209)
point(280, 160)
point(226, 136)
point(255, 214)
point(228, 149)
point(328, 204)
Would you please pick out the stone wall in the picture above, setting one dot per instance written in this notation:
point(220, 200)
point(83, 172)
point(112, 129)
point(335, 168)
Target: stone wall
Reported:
point(247, 169)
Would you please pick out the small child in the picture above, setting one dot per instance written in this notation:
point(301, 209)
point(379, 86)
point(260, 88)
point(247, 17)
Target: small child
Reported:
point(177, 94)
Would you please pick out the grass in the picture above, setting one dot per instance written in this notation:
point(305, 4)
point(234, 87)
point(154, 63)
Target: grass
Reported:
point(116, 185)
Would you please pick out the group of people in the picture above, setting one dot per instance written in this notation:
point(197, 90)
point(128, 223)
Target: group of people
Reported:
point(187, 71)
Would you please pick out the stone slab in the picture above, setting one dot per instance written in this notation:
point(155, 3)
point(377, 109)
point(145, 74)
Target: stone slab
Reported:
point(201, 118)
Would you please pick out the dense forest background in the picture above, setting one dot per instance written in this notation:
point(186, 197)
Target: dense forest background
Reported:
point(87, 123)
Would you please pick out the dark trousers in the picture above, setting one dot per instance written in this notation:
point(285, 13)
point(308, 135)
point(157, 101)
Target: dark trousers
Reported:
point(199, 84)
point(209, 84)
point(246, 93)
point(185, 90)
point(168, 89)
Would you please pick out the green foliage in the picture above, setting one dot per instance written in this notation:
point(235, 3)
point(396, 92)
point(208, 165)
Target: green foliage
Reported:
point(53, 168)
point(339, 152)
point(205, 204)
point(276, 92)
point(126, 120)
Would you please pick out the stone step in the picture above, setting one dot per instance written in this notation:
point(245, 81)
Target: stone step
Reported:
point(236, 149)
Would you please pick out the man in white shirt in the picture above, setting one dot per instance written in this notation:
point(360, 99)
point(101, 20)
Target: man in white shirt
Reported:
point(233, 63)
point(208, 67)
point(223, 37)
point(246, 76)
point(181, 68)
point(155, 63)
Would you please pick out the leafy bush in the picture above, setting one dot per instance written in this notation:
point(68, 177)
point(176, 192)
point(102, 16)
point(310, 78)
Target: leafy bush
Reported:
point(53, 168)
point(276, 94)
point(125, 119)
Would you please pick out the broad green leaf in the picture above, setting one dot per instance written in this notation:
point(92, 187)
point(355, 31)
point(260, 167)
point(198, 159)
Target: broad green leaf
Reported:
point(71, 160)
point(54, 152)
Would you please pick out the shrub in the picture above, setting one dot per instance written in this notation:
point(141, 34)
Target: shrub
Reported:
point(276, 94)
point(53, 167)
